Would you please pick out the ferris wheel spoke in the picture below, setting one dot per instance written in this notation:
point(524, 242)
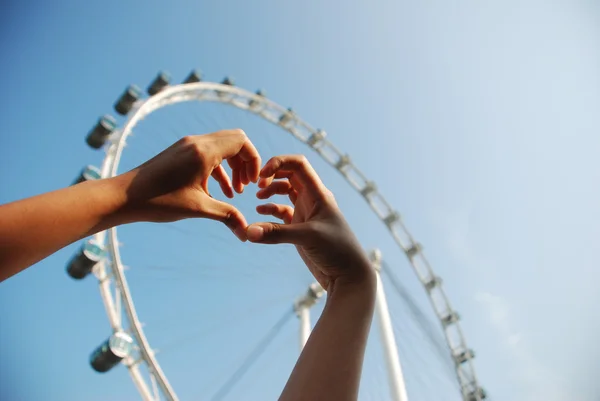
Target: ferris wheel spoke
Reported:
point(142, 148)
point(423, 350)
point(265, 365)
point(182, 117)
point(195, 336)
point(433, 333)
point(202, 272)
point(418, 355)
point(205, 128)
point(256, 353)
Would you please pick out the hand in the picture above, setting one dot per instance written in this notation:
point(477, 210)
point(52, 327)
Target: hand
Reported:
point(174, 184)
point(315, 224)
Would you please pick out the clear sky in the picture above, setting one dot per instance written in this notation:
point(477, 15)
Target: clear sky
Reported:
point(478, 120)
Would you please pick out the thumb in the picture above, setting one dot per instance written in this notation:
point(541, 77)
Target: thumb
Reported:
point(228, 215)
point(274, 233)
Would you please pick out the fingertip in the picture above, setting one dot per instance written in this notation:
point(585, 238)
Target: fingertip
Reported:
point(262, 209)
point(253, 170)
point(265, 182)
point(254, 233)
point(238, 185)
point(228, 191)
point(244, 176)
point(265, 171)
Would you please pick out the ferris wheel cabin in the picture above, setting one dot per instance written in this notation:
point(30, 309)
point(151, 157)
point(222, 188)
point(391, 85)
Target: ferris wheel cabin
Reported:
point(477, 394)
point(195, 76)
point(286, 117)
point(125, 103)
point(84, 261)
point(160, 82)
point(253, 103)
point(229, 81)
point(111, 352)
point(87, 174)
point(101, 131)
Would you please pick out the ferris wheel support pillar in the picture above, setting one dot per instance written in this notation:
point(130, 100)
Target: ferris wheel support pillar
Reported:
point(392, 358)
point(304, 315)
point(302, 308)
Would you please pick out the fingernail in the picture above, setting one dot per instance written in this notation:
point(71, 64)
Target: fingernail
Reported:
point(255, 233)
point(240, 233)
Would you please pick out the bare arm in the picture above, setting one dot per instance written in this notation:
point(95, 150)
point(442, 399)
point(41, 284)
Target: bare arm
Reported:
point(330, 365)
point(171, 186)
point(36, 227)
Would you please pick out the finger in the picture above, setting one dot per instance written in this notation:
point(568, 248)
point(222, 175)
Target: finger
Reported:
point(244, 175)
point(283, 212)
point(220, 175)
point(300, 167)
point(252, 171)
point(252, 161)
point(274, 233)
point(283, 187)
point(293, 197)
point(284, 174)
point(232, 143)
point(265, 182)
point(228, 215)
point(237, 181)
point(235, 162)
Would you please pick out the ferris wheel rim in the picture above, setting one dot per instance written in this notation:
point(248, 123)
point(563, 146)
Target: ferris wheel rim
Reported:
point(301, 130)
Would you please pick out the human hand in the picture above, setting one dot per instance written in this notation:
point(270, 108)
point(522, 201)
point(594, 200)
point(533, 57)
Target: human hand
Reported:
point(174, 184)
point(315, 224)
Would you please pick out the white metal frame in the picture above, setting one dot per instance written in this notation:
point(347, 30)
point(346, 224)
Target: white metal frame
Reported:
point(113, 284)
point(388, 340)
point(302, 308)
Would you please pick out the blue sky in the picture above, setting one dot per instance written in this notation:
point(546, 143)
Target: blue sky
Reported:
point(478, 121)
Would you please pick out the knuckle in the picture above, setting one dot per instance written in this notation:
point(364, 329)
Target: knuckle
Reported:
point(298, 160)
point(198, 152)
point(226, 219)
point(275, 161)
point(230, 218)
point(196, 149)
point(187, 140)
point(271, 230)
point(239, 133)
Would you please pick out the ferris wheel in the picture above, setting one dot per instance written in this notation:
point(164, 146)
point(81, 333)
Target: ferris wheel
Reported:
point(100, 255)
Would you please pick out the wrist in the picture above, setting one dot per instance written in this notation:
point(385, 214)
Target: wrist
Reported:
point(111, 193)
point(361, 286)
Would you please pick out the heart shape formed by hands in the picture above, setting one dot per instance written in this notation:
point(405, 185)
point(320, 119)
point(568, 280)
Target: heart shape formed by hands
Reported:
point(174, 185)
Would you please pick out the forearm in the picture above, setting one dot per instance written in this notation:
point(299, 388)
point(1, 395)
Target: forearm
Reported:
point(33, 228)
point(330, 365)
